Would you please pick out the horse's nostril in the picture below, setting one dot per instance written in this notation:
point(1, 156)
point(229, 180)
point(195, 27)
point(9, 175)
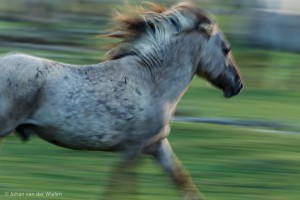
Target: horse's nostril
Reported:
point(241, 85)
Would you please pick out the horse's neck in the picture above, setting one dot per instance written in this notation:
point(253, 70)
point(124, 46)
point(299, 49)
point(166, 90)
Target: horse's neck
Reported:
point(166, 73)
point(175, 73)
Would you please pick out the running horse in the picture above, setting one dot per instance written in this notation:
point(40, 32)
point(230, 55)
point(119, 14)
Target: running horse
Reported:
point(125, 103)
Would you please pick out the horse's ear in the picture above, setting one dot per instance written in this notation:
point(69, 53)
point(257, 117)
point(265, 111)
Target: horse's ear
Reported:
point(208, 29)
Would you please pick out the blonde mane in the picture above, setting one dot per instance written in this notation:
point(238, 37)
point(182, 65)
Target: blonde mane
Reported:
point(143, 29)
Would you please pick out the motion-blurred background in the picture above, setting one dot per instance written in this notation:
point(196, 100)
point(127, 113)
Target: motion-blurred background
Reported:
point(256, 155)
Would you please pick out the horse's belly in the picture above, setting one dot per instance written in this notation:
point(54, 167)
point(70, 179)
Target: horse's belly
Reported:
point(80, 129)
point(85, 140)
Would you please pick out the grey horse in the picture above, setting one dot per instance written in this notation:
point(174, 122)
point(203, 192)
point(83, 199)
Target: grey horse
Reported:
point(124, 104)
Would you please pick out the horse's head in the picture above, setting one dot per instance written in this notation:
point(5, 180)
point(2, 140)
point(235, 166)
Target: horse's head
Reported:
point(186, 26)
point(216, 62)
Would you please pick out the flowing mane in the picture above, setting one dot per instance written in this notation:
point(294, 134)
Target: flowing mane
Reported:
point(143, 29)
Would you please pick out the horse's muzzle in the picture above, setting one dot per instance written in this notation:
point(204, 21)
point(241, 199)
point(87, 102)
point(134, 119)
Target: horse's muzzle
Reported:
point(232, 91)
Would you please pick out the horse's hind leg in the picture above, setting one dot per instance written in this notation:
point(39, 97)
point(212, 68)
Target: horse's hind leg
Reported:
point(6, 126)
point(8, 114)
point(12, 116)
point(8, 118)
point(8, 122)
point(165, 156)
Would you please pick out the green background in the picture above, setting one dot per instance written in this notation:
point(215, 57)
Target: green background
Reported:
point(226, 162)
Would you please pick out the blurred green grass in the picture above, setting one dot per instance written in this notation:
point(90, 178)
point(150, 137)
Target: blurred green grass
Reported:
point(226, 163)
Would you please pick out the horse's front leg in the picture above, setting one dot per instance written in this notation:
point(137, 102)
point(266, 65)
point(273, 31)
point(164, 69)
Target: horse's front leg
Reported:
point(165, 156)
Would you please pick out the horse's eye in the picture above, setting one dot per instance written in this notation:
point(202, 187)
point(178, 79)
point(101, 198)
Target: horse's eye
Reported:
point(226, 49)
